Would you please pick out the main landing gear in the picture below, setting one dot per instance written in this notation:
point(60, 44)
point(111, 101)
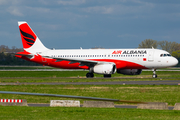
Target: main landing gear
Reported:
point(89, 75)
point(154, 73)
point(107, 76)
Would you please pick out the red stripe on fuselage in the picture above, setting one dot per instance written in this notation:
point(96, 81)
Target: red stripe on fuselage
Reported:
point(120, 64)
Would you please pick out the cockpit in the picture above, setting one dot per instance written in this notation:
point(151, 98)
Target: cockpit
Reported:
point(165, 55)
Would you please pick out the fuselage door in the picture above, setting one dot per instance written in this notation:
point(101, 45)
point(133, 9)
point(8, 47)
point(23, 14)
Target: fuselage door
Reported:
point(151, 56)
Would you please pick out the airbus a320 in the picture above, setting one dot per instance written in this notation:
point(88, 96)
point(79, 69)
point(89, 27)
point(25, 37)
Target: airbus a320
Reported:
point(99, 61)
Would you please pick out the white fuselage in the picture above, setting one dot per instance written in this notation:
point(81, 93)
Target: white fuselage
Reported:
point(147, 58)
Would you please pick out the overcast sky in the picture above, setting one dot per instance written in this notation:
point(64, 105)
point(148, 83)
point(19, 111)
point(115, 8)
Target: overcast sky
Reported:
point(90, 23)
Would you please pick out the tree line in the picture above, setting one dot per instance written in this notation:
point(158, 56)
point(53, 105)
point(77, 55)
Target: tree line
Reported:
point(164, 45)
point(7, 55)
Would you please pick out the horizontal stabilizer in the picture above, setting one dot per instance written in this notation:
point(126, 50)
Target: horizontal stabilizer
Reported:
point(26, 54)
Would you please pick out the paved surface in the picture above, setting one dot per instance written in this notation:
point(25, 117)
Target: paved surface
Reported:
point(38, 68)
point(161, 82)
point(116, 106)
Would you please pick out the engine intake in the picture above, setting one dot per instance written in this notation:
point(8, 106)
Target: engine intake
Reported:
point(104, 69)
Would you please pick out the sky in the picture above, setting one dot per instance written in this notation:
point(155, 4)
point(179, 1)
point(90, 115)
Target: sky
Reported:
point(67, 24)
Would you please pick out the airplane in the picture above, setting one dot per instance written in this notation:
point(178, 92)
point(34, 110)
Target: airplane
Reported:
point(99, 61)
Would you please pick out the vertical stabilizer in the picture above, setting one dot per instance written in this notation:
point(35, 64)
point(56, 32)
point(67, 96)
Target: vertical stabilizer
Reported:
point(30, 41)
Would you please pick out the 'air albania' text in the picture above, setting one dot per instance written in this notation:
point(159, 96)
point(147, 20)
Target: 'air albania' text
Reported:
point(134, 52)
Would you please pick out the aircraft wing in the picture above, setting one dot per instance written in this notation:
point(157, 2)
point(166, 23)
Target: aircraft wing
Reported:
point(81, 61)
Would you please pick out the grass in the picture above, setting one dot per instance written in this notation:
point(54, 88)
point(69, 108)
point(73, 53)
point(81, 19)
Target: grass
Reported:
point(42, 113)
point(42, 73)
point(75, 74)
point(79, 76)
point(144, 93)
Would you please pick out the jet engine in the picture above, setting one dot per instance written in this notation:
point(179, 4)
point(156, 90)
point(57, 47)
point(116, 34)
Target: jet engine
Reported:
point(104, 69)
point(129, 71)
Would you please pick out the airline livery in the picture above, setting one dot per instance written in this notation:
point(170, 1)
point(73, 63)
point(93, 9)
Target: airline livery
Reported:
point(100, 61)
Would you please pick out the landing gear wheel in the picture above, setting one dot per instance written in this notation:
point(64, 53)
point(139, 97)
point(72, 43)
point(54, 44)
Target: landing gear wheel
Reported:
point(154, 76)
point(154, 73)
point(107, 76)
point(89, 75)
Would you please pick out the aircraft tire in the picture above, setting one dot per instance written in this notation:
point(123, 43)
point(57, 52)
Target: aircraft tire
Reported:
point(154, 76)
point(89, 75)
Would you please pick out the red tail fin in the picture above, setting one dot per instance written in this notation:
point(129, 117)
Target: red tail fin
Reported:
point(27, 35)
point(31, 42)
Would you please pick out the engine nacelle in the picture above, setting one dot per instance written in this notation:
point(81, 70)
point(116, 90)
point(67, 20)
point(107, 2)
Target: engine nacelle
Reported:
point(104, 69)
point(129, 71)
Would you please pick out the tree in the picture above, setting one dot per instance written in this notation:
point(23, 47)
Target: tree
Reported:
point(169, 46)
point(174, 47)
point(7, 56)
point(148, 43)
point(164, 45)
point(176, 54)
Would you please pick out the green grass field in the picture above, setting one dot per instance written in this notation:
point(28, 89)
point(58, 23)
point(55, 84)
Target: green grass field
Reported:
point(75, 74)
point(47, 113)
point(79, 76)
point(145, 93)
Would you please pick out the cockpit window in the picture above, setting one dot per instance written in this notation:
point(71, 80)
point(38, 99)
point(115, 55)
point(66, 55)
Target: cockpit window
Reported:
point(165, 55)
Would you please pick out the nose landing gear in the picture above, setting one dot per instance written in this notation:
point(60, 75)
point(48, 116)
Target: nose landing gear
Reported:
point(154, 73)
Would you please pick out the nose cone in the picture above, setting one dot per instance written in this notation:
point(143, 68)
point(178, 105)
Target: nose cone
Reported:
point(174, 61)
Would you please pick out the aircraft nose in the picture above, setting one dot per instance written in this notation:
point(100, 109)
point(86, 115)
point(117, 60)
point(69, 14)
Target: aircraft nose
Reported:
point(174, 61)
